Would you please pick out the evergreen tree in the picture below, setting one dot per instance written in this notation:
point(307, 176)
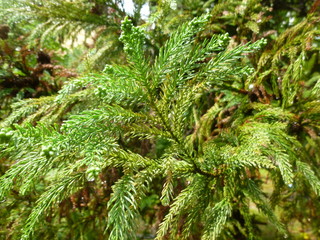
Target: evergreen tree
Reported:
point(213, 137)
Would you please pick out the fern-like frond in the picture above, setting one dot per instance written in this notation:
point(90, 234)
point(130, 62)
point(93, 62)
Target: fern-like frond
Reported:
point(215, 218)
point(123, 210)
point(183, 203)
point(255, 194)
point(310, 176)
point(66, 186)
point(124, 203)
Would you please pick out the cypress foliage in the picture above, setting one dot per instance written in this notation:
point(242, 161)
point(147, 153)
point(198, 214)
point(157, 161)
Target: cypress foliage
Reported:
point(232, 140)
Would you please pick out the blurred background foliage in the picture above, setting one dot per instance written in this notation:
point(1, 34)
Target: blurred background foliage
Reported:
point(45, 43)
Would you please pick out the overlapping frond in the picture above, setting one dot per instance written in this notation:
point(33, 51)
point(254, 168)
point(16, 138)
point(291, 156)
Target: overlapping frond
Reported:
point(208, 136)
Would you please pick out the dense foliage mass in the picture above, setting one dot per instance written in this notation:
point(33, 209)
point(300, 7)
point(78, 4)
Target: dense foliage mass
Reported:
point(200, 121)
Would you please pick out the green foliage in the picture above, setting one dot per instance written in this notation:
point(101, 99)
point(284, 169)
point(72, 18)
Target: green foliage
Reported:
point(223, 134)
